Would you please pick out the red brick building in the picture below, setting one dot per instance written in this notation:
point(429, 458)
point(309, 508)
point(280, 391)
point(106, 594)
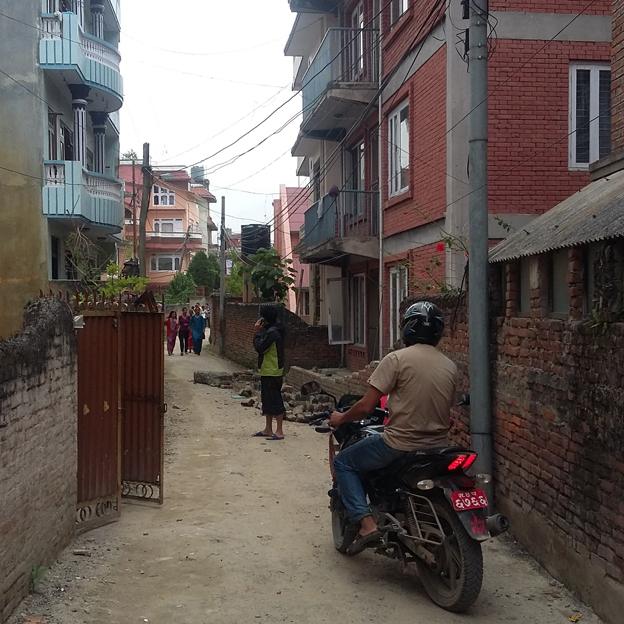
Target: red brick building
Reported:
point(549, 85)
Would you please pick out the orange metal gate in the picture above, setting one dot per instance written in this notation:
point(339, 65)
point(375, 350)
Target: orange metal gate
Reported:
point(120, 412)
point(98, 420)
point(143, 406)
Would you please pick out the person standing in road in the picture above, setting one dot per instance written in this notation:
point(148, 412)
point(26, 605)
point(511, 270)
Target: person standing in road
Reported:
point(269, 343)
point(172, 331)
point(198, 327)
point(183, 331)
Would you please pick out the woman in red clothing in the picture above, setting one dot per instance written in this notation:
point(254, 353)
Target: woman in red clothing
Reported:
point(172, 331)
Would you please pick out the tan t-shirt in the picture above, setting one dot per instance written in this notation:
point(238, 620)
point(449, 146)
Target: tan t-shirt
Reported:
point(421, 383)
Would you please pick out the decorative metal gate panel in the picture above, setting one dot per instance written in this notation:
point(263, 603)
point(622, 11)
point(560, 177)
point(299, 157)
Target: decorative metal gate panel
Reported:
point(99, 478)
point(143, 406)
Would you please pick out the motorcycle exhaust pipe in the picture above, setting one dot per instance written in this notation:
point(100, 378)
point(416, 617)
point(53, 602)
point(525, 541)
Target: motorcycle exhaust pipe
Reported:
point(497, 524)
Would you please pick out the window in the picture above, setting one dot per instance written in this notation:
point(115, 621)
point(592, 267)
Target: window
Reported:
point(67, 143)
point(590, 114)
point(398, 292)
point(52, 136)
point(357, 180)
point(337, 293)
point(163, 196)
point(168, 226)
point(524, 303)
point(304, 302)
point(316, 181)
point(358, 309)
point(398, 8)
point(398, 139)
point(55, 245)
point(165, 263)
point(357, 44)
point(558, 293)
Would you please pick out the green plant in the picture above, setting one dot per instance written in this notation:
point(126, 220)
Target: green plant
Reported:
point(204, 269)
point(129, 155)
point(181, 289)
point(117, 283)
point(270, 275)
point(234, 281)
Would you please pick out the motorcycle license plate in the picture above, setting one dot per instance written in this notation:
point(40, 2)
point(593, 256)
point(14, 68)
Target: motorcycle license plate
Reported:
point(465, 500)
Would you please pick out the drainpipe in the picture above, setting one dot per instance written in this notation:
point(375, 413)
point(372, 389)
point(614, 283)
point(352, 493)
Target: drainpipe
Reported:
point(381, 186)
point(478, 300)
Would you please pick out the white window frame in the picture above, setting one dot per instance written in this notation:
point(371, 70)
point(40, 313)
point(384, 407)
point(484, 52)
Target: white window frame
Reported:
point(594, 107)
point(158, 223)
point(398, 8)
point(357, 43)
point(176, 263)
point(396, 150)
point(356, 310)
point(162, 196)
point(396, 298)
point(338, 287)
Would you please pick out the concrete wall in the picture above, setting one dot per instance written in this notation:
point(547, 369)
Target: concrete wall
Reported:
point(558, 433)
point(23, 253)
point(38, 451)
point(306, 346)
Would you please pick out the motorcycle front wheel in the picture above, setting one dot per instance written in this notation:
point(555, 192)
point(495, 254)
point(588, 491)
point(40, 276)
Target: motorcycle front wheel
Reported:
point(453, 580)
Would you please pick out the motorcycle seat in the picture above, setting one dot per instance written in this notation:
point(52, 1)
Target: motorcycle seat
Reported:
point(420, 457)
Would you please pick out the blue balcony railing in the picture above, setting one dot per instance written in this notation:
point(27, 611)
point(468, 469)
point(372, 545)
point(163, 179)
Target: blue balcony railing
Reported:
point(350, 214)
point(346, 57)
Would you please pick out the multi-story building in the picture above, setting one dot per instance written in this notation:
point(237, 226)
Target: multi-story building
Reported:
point(178, 221)
point(549, 116)
point(60, 93)
point(288, 219)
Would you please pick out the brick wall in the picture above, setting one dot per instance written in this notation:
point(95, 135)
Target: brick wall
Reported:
point(617, 76)
point(529, 127)
point(306, 345)
point(425, 199)
point(600, 7)
point(37, 447)
point(558, 434)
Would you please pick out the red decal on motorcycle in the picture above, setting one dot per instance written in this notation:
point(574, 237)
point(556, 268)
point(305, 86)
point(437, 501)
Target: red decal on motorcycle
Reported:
point(478, 525)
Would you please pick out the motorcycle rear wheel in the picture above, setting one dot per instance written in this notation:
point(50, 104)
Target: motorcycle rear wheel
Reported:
point(343, 532)
point(454, 581)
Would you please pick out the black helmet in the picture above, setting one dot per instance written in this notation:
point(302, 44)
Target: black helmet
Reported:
point(423, 323)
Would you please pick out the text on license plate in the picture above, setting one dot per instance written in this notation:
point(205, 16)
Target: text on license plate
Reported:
point(465, 500)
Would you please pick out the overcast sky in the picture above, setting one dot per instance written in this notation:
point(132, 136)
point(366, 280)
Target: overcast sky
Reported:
point(198, 74)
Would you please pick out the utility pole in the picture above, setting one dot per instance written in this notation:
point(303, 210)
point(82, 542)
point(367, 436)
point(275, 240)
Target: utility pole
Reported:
point(145, 201)
point(478, 285)
point(222, 283)
point(134, 219)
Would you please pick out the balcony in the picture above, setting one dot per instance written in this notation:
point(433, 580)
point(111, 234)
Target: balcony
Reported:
point(313, 6)
point(73, 193)
point(338, 226)
point(81, 58)
point(340, 82)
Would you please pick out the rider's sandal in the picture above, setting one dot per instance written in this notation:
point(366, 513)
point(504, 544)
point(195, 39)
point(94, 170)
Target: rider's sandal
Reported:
point(362, 542)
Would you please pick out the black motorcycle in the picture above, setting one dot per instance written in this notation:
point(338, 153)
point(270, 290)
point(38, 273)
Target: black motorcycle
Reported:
point(430, 511)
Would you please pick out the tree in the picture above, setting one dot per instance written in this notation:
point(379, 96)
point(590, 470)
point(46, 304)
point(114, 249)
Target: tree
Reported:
point(181, 289)
point(270, 275)
point(204, 269)
point(130, 155)
point(117, 283)
point(234, 281)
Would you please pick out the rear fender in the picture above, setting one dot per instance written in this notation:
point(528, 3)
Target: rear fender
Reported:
point(475, 520)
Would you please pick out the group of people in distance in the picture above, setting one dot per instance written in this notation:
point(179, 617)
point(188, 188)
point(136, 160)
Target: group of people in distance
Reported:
point(189, 328)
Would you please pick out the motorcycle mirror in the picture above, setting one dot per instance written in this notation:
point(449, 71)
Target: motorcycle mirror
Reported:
point(311, 387)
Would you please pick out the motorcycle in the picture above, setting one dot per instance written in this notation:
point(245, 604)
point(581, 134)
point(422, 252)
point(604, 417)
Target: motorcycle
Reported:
point(431, 512)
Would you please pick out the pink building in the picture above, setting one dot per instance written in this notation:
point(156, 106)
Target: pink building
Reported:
point(289, 212)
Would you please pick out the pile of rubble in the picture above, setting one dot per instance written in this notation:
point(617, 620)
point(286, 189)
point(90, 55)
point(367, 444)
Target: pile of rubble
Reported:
point(246, 385)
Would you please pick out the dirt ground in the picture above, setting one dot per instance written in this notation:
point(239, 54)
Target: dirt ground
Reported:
point(244, 536)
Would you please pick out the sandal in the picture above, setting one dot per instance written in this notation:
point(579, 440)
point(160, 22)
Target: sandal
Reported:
point(275, 437)
point(260, 434)
point(362, 542)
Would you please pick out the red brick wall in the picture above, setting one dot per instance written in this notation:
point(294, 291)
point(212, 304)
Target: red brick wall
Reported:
point(528, 143)
point(600, 7)
point(558, 436)
point(617, 76)
point(426, 198)
point(306, 346)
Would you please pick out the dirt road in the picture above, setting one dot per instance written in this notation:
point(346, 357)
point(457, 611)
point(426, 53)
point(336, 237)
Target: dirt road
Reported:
point(244, 537)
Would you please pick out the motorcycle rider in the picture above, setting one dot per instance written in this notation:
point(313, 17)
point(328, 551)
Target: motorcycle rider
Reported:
point(421, 382)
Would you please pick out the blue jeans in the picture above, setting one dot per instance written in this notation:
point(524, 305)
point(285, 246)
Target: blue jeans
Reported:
point(364, 456)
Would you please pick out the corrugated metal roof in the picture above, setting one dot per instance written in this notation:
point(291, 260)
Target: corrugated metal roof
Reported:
point(593, 214)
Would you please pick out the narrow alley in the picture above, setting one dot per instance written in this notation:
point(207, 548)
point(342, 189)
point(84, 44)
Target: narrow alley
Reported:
point(244, 537)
